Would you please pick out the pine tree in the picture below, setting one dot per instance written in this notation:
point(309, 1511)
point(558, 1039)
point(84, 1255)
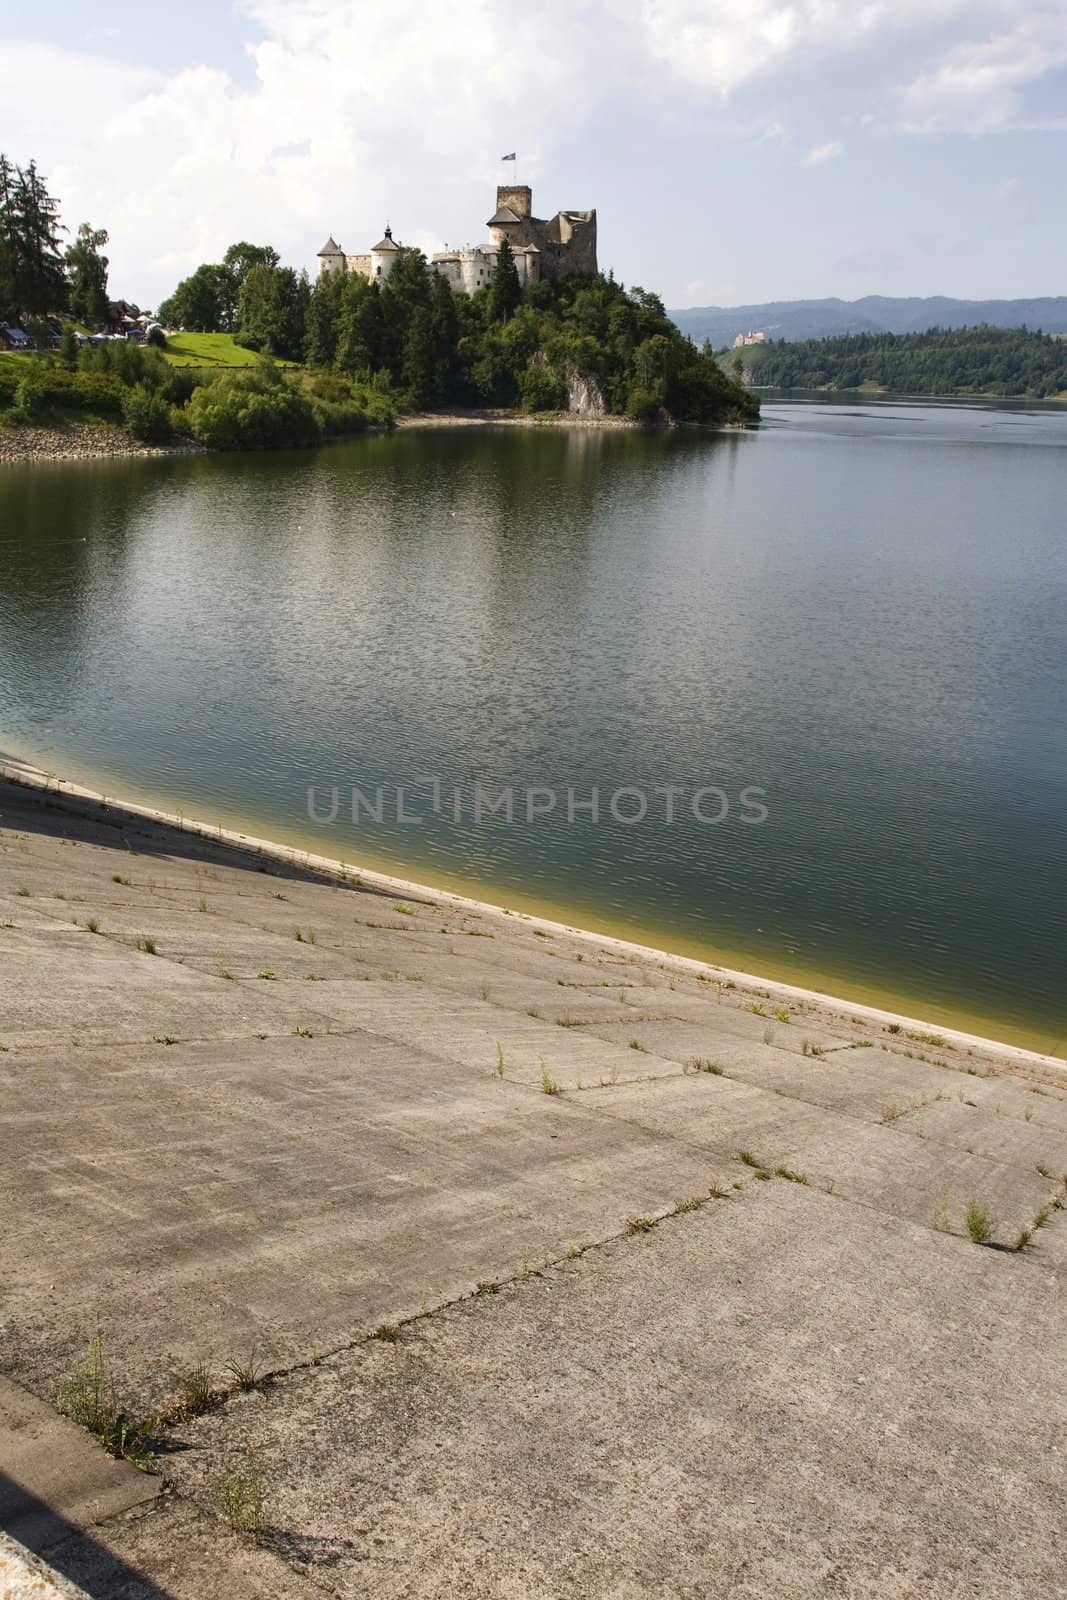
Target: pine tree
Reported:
point(40, 284)
point(360, 328)
point(9, 306)
point(444, 332)
point(324, 319)
point(505, 291)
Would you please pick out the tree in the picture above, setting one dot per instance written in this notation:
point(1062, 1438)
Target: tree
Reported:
point(324, 319)
point(406, 290)
point(444, 333)
point(237, 263)
point(88, 276)
point(505, 291)
point(9, 307)
point(240, 258)
point(68, 347)
point(419, 363)
point(32, 282)
point(273, 310)
point(199, 303)
point(360, 327)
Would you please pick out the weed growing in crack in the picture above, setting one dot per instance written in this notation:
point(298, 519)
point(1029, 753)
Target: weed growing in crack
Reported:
point(979, 1222)
point(88, 1397)
point(239, 1492)
point(548, 1083)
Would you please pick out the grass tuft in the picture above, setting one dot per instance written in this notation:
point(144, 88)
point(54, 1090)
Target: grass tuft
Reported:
point(245, 1374)
point(87, 1396)
point(241, 1501)
point(548, 1083)
point(979, 1222)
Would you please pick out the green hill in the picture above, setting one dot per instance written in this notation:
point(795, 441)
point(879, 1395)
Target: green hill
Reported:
point(982, 360)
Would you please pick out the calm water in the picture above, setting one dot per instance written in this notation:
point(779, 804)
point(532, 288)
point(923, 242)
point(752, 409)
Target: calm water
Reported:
point(859, 610)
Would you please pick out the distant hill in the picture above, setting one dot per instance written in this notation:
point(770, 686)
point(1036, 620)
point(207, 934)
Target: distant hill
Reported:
point(982, 360)
point(822, 319)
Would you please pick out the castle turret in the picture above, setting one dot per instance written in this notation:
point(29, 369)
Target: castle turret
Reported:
point(331, 257)
point(517, 197)
point(383, 255)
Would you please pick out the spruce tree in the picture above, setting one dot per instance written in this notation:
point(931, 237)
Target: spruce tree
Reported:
point(40, 284)
point(9, 253)
point(505, 291)
point(323, 320)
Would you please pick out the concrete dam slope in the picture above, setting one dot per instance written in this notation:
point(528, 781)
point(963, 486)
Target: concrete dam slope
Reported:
point(555, 1270)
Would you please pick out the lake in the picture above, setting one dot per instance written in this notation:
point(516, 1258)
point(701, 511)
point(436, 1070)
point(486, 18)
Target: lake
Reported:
point(851, 620)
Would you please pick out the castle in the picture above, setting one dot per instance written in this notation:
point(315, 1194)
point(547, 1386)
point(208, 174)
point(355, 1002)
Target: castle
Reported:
point(559, 248)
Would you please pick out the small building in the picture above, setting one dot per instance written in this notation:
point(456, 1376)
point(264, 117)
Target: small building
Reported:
point(756, 337)
point(14, 339)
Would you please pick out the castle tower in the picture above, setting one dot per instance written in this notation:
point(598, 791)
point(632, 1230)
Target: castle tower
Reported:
point(331, 257)
point(517, 197)
point(383, 256)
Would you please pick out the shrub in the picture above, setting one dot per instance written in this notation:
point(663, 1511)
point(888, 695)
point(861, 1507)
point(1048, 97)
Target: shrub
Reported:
point(541, 390)
point(68, 347)
point(254, 413)
point(642, 405)
point(29, 401)
point(129, 363)
point(146, 415)
point(337, 417)
point(156, 338)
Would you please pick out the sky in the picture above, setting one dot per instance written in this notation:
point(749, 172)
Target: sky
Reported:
point(736, 151)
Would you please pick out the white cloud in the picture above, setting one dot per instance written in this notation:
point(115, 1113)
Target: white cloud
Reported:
point(821, 153)
point(979, 87)
point(356, 113)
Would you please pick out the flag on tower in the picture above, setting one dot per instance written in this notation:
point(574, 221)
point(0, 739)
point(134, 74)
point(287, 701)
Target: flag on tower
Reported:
point(511, 157)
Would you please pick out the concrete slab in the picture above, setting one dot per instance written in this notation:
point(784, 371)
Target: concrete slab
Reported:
point(781, 1391)
point(187, 1201)
point(779, 1395)
point(880, 1165)
point(47, 1462)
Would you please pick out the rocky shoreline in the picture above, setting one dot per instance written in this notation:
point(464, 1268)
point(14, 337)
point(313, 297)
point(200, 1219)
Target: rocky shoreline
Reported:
point(79, 441)
point(499, 416)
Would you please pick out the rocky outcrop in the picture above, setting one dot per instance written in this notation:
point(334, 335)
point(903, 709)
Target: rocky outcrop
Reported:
point(585, 398)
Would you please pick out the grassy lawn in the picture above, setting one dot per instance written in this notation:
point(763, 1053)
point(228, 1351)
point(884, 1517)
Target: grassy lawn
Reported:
point(16, 361)
point(210, 350)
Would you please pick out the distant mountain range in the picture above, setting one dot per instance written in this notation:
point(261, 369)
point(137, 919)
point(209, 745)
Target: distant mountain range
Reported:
point(875, 313)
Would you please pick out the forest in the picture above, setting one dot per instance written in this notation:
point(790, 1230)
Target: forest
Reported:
point(943, 361)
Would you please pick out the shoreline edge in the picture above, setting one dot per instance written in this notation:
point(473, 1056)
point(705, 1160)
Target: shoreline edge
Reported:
point(26, 775)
